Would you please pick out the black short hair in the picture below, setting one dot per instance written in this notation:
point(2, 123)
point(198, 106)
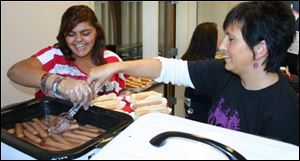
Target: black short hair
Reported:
point(273, 22)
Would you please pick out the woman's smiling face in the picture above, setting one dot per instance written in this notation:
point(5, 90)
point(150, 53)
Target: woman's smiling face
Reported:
point(238, 56)
point(81, 39)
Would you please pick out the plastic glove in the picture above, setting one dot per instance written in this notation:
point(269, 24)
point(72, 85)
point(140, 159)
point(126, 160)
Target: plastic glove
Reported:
point(100, 75)
point(77, 91)
point(104, 88)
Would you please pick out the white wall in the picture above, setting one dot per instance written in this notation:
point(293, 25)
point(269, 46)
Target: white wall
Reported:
point(27, 27)
point(150, 29)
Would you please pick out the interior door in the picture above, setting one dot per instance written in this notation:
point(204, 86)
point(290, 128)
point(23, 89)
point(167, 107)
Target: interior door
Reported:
point(167, 43)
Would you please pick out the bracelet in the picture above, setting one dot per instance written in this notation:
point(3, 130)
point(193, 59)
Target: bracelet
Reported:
point(43, 81)
point(55, 84)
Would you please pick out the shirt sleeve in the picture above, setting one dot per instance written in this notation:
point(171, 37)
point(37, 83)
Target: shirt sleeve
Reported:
point(174, 71)
point(48, 57)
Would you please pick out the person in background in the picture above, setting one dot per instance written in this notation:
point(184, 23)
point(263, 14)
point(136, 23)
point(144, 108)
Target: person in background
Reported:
point(248, 92)
point(203, 45)
point(61, 70)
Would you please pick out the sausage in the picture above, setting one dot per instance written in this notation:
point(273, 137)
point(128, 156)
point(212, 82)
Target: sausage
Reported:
point(32, 142)
point(76, 136)
point(74, 126)
point(50, 148)
point(40, 130)
point(60, 139)
point(19, 130)
point(42, 146)
point(130, 85)
point(11, 130)
point(145, 79)
point(74, 141)
point(29, 128)
point(89, 129)
point(55, 144)
point(94, 127)
point(32, 137)
point(86, 133)
point(38, 121)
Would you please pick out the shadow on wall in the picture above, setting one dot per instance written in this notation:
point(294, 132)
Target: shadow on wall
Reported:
point(25, 90)
point(15, 94)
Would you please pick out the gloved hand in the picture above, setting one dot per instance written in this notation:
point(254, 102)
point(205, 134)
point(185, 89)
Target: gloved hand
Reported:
point(99, 76)
point(77, 91)
point(104, 88)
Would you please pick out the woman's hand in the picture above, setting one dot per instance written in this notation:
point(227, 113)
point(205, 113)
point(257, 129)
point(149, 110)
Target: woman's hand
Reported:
point(77, 91)
point(99, 75)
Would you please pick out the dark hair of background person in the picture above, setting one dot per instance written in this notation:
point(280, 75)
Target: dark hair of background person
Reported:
point(72, 17)
point(203, 43)
point(268, 23)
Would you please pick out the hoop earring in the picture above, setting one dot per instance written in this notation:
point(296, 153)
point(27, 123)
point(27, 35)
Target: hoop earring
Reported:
point(255, 65)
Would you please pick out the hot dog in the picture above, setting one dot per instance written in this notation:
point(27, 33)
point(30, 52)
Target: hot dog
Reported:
point(149, 102)
point(114, 104)
point(55, 144)
point(86, 133)
point(60, 139)
point(11, 130)
point(76, 136)
point(38, 121)
point(19, 130)
point(42, 146)
point(32, 137)
point(29, 128)
point(105, 97)
point(90, 129)
point(138, 84)
point(74, 141)
point(74, 126)
point(144, 96)
point(94, 127)
point(130, 85)
point(39, 129)
point(145, 79)
point(149, 109)
point(132, 78)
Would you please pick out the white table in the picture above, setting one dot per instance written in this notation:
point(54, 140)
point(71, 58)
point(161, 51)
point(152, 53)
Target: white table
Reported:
point(133, 142)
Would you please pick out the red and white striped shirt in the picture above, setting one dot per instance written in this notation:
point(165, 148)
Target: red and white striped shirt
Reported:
point(54, 62)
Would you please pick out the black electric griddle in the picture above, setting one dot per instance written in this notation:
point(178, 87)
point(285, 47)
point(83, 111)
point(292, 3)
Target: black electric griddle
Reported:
point(112, 122)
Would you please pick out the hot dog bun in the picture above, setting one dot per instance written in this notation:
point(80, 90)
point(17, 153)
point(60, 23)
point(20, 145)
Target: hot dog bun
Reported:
point(148, 102)
point(161, 108)
point(105, 97)
point(112, 105)
point(108, 101)
point(144, 96)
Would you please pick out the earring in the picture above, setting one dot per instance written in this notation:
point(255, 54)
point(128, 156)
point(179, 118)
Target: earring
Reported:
point(255, 65)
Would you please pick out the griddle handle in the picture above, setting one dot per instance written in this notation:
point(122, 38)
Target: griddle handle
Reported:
point(159, 141)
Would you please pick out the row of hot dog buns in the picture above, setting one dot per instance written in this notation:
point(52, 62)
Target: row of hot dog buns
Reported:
point(148, 102)
point(141, 103)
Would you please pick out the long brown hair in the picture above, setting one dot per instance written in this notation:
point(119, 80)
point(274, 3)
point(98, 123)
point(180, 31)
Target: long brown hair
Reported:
point(203, 43)
point(72, 17)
